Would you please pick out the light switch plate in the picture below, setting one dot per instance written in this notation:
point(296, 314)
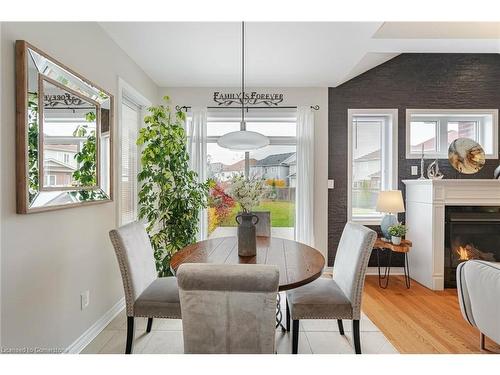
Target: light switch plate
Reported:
point(331, 184)
point(414, 170)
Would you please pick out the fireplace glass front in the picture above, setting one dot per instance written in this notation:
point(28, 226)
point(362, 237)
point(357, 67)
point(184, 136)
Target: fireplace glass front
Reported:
point(470, 233)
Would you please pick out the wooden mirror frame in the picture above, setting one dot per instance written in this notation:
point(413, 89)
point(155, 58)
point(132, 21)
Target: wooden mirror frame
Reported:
point(22, 182)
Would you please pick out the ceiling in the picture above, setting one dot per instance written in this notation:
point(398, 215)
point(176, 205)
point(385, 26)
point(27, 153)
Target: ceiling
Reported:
point(286, 54)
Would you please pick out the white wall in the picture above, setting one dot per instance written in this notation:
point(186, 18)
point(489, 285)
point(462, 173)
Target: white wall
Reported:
point(292, 96)
point(48, 258)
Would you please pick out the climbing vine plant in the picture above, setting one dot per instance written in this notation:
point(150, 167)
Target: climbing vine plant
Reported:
point(170, 196)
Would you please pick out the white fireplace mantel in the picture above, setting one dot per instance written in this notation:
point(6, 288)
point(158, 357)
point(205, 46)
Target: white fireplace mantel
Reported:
point(425, 210)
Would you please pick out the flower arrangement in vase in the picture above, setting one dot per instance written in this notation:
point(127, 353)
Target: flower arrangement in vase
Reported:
point(247, 192)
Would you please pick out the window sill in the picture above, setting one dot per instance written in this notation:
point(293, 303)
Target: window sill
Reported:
point(366, 221)
point(439, 156)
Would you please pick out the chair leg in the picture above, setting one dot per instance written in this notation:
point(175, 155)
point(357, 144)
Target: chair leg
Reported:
point(482, 345)
point(355, 333)
point(295, 337)
point(341, 327)
point(130, 334)
point(150, 324)
point(287, 317)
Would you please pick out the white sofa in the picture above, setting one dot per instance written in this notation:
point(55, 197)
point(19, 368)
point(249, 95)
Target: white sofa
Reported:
point(478, 286)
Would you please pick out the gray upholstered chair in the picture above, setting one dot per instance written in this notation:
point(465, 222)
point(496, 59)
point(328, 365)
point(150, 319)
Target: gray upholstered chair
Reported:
point(478, 286)
point(146, 295)
point(228, 308)
point(340, 297)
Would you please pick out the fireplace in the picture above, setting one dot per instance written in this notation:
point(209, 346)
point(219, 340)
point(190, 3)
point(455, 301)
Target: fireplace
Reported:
point(471, 232)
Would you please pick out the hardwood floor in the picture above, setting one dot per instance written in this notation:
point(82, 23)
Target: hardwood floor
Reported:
point(420, 320)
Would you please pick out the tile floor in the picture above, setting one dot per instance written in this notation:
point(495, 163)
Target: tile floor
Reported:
point(316, 337)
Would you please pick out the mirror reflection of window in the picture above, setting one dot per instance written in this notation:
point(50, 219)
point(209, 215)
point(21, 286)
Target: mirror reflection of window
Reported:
point(69, 138)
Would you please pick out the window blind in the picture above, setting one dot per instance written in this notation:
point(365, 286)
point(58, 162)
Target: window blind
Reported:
point(131, 120)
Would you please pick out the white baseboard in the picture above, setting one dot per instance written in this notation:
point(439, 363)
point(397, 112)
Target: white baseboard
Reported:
point(90, 334)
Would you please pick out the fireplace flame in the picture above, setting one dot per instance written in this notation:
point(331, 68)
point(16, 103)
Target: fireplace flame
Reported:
point(463, 254)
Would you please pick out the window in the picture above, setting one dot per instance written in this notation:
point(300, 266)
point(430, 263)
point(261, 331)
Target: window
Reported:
point(372, 160)
point(130, 123)
point(432, 131)
point(276, 164)
point(50, 180)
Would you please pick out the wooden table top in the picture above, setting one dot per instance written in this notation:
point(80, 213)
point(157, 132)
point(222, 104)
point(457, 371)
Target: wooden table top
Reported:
point(404, 247)
point(298, 264)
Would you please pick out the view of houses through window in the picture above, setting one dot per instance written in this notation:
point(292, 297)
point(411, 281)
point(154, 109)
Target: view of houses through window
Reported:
point(275, 164)
point(433, 131)
point(371, 161)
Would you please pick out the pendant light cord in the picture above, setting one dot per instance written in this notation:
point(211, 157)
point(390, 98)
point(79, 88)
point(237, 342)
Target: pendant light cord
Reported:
point(243, 125)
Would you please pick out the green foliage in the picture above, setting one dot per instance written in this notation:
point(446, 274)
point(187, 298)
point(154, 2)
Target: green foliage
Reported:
point(86, 174)
point(32, 145)
point(364, 197)
point(398, 230)
point(282, 213)
point(170, 197)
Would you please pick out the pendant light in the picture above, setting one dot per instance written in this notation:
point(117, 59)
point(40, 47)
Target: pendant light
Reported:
point(243, 139)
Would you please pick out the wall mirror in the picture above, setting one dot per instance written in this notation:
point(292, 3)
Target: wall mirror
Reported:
point(64, 135)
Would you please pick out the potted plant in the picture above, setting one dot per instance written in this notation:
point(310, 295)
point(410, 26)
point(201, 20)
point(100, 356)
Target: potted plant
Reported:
point(248, 193)
point(397, 231)
point(170, 195)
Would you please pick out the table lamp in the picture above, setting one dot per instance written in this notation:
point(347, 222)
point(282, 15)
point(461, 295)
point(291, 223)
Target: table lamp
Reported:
point(390, 202)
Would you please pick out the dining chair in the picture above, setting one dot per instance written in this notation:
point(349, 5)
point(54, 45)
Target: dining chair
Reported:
point(263, 226)
point(228, 309)
point(146, 295)
point(339, 297)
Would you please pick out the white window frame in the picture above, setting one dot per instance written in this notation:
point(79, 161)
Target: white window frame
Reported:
point(390, 154)
point(441, 131)
point(127, 91)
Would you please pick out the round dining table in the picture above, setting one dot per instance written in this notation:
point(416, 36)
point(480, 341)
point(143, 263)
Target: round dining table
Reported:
point(298, 264)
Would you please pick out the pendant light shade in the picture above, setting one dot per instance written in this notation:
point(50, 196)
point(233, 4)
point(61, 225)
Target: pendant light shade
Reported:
point(243, 140)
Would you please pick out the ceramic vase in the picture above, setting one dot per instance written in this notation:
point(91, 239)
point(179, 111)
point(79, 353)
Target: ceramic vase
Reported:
point(396, 240)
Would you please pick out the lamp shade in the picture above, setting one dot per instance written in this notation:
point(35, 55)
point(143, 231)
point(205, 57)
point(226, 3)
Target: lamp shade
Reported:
point(243, 140)
point(390, 201)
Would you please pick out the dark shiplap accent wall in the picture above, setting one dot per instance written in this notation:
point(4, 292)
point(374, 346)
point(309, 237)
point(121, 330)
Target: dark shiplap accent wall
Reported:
point(430, 81)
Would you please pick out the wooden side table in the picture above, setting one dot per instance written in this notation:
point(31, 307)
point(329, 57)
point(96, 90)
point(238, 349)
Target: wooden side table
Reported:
point(404, 248)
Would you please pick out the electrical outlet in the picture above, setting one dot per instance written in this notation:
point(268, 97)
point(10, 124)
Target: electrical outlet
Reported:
point(84, 299)
point(331, 184)
point(414, 170)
